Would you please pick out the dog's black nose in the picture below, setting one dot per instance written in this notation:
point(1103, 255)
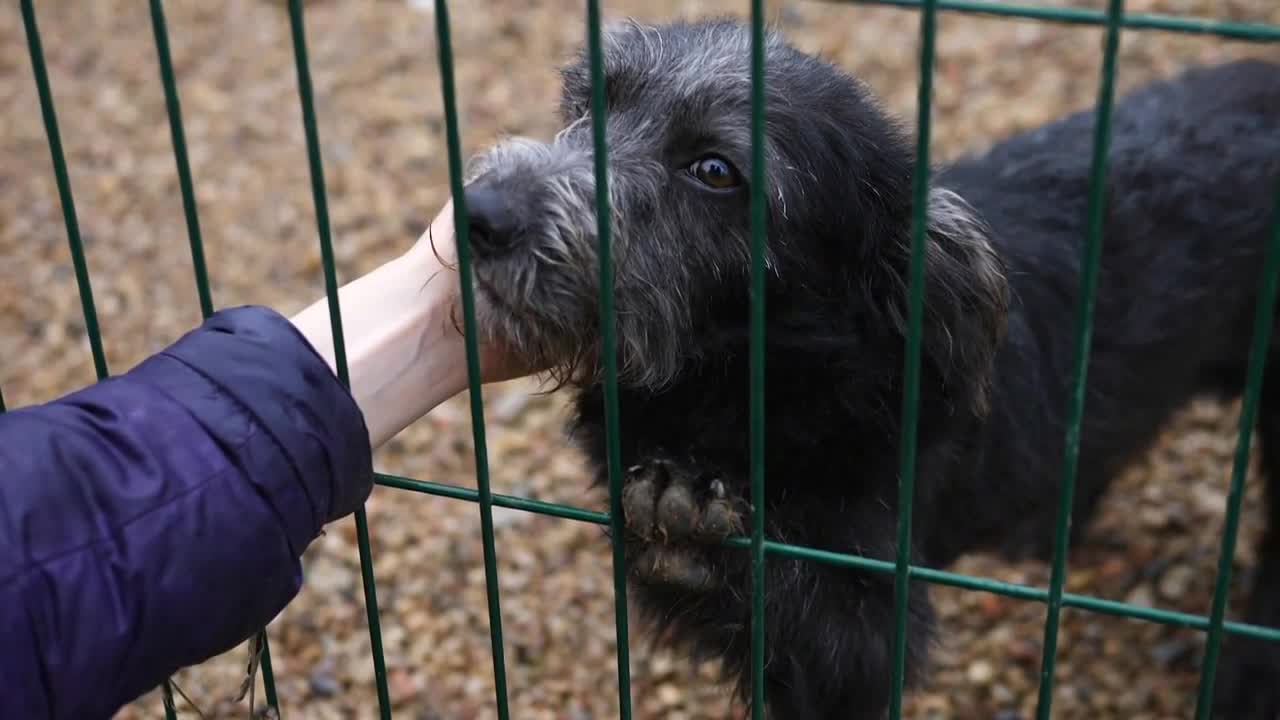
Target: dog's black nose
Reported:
point(491, 224)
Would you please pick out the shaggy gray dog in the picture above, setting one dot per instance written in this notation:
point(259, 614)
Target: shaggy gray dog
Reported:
point(1195, 162)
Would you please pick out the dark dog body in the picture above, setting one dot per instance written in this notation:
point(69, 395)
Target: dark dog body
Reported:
point(1192, 176)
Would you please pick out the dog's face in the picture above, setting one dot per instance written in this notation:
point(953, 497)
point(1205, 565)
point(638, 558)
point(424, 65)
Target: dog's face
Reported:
point(678, 101)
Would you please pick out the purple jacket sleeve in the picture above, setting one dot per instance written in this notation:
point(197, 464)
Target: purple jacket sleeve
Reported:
point(155, 519)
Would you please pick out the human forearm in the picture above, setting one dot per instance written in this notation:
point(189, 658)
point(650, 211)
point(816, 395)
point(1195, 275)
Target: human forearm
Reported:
point(405, 355)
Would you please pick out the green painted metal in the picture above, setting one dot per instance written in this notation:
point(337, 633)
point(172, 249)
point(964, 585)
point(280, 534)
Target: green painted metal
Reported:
point(1262, 321)
point(924, 574)
point(1079, 371)
point(268, 675)
point(166, 699)
point(460, 225)
point(69, 214)
point(64, 188)
point(173, 109)
point(1055, 598)
point(1249, 32)
point(305, 94)
point(759, 231)
point(911, 374)
point(507, 501)
point(1014, 590)
point(608, 350)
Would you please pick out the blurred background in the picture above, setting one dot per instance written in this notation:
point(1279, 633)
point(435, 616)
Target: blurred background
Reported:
point(382, 127)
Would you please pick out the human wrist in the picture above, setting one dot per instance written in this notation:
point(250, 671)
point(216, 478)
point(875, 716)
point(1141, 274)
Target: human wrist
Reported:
point(404, 356)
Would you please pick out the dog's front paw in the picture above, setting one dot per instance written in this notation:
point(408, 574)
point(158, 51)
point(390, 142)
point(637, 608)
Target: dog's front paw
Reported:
point(677, 515)
point(1248, 681)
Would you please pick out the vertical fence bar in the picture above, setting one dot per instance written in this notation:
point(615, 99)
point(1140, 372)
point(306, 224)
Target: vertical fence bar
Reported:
point(1092, 253)
point(166, 700)
point(174, 108)
point(268, 675)
point(608, 350)
point(461, 228)
point(1262, 321)
point(69, 214)
point(298, 29)
point(64, 189)
point(757, 375)
point(911, 389)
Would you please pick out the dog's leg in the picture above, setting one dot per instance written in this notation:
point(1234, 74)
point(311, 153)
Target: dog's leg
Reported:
point(1248, 684)
point(828, 630)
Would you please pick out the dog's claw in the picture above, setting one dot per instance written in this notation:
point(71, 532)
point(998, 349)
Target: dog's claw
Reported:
point(639, 496)
point(670, 514)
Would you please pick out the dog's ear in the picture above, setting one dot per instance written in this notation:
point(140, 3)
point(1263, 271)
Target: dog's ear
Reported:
point(966, 300)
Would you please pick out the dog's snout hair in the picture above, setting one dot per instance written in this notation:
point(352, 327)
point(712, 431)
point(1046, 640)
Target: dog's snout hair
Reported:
point(681, 249)
point(539, 292)
point(542, 295)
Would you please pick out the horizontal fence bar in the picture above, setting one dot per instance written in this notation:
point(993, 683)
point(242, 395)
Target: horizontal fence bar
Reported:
point(1014, 590)
point(1251, 32)
point(512, 502)
point(884, 567)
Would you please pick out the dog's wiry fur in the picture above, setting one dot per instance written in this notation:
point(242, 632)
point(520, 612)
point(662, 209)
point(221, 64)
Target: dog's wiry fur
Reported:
point(1193, 170)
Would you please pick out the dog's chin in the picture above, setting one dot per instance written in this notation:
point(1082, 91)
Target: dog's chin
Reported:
point(533, 341)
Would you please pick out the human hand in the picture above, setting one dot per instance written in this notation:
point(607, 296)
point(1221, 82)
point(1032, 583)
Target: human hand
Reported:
point(405, 349)
point(436, 252)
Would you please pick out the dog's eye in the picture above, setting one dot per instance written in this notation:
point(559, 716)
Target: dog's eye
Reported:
point(715, 172)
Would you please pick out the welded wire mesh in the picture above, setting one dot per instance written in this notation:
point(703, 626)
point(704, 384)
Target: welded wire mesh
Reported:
point(1114, 21)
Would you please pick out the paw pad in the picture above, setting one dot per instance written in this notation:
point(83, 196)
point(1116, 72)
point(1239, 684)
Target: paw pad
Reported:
point(677, 516)
point(663, 503)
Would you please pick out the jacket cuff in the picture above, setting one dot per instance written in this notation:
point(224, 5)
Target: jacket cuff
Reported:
point(256, 357)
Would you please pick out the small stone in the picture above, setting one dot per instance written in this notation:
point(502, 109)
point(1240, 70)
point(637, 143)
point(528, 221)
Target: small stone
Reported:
point(1141, 596)
point(1166, 654)
point(323, 684)
point(1024, 651)
point(670, 695)
point(403, 686)
point(1176, 581)
point(980, 672)
point(1002, 694)
point(992, 606)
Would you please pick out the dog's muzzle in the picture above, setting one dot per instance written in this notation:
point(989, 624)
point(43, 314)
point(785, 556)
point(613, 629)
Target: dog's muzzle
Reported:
point(491, 222)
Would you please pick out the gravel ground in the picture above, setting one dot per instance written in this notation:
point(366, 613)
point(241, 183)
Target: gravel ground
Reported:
point(376, 81)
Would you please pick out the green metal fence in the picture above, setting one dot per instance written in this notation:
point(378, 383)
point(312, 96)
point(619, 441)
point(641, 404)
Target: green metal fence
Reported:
point(1113, 19)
